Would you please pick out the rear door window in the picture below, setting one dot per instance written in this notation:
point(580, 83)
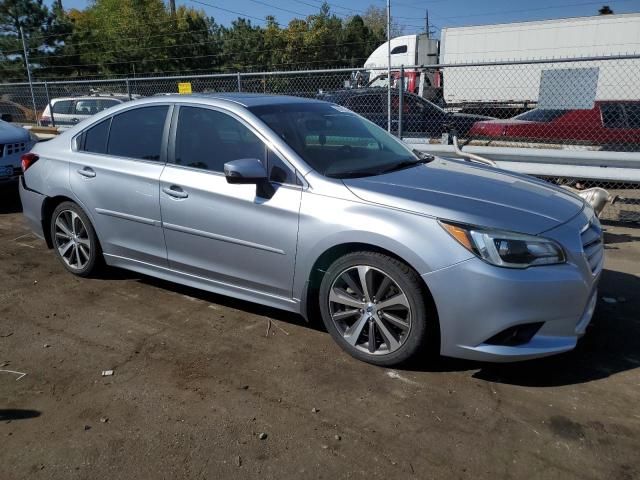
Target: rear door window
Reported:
point(63, 106)
point(104, 104)
point(95, 139)
point(633, 114)
point(138, 133)
point(367, 104)
point(86, 107)
point(612, 115)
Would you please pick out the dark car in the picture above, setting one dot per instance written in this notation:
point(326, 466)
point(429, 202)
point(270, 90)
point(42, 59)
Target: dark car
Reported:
point(420, 117)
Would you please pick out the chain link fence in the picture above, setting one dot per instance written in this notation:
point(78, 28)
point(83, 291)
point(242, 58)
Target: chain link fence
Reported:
point(590, 104)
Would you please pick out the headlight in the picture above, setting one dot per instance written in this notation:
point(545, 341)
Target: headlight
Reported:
point(506, 249)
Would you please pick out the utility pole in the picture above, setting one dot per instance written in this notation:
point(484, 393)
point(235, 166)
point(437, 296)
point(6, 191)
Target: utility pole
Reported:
point(26, 63)
point(389, 66)
point(426, 19)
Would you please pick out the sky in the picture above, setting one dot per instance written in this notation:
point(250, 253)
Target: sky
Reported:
point(408, 13)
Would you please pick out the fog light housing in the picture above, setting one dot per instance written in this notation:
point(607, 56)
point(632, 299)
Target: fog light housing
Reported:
point(516, 335)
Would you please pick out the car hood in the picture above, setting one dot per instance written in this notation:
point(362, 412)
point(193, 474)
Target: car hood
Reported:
point(11, 133)
point(473, 194)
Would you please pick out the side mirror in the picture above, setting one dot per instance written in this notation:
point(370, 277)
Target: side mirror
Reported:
point(245, 171)
point(7, 117)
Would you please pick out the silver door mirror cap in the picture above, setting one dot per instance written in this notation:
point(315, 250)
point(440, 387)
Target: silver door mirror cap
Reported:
point(245, 171)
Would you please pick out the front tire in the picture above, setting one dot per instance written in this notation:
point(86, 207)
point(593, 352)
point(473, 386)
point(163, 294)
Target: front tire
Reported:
point(74, 240)
point(374, 307)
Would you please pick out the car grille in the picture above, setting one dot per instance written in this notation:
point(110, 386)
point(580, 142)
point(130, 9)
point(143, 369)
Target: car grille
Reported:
point(13, 148)
point(592, 246)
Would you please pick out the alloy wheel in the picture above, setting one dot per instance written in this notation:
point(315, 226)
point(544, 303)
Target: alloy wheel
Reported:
point(370, 310)
point(72, 239)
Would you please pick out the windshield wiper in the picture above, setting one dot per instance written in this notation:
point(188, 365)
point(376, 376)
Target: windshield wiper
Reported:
point(407, 164)
point(351, 174)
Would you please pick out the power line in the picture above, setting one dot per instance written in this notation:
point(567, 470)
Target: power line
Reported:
point(213, 55)
point(568, 5)
point(232, 69)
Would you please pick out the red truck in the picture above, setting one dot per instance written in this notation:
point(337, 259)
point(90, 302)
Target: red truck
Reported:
point(607, 123)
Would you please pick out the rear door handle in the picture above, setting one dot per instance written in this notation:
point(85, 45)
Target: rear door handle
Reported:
point(175, 191)
point(87, 172)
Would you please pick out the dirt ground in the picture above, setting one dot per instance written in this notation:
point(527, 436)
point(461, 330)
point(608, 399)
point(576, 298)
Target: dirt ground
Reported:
point(199, 377)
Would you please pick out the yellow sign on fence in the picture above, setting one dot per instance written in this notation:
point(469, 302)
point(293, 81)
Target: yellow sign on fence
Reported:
point(184, 87)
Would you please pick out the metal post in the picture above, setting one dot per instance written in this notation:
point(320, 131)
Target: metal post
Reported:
point(389, 66)
point(128, 88)
point(400, 100)
point(426, 18)
point(46, 91)
point(239, 83)
point(26, 63)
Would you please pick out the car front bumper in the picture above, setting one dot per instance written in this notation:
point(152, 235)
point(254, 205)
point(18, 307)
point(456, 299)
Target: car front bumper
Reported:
point(477, 301)
point(9, 173)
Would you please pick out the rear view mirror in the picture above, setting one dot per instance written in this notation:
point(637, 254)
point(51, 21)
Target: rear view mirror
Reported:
point(245, 171)
point(7, 117)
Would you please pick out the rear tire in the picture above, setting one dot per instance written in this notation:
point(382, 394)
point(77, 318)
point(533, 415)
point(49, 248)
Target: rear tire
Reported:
point(391, 308)
point(74, 240)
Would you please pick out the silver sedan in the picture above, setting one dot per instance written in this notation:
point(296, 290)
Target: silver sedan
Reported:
point(305, 206)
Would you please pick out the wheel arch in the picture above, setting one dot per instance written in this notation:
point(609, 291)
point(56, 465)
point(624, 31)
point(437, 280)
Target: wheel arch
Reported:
point(48, 206)
point(310, 301)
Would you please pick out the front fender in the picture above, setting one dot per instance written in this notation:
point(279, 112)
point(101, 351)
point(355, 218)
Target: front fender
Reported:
point(327, 222)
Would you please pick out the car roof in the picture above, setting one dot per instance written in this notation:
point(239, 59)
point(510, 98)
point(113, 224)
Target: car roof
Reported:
point(91, 97)
point(247, 99)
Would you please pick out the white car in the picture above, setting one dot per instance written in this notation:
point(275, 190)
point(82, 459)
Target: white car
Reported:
point(67, 111)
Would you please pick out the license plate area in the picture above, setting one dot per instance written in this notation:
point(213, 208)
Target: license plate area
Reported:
point(6, 171)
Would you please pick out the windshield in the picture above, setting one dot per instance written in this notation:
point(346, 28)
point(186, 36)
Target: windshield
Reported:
point(541, 115)
point(334, 141)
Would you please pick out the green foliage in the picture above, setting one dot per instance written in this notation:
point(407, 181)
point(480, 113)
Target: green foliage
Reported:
point(35, 19)
point(141, 37)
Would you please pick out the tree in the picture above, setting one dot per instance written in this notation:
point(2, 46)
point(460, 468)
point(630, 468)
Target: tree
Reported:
point(143, 37)
point(33, 16)
point(605, 10)
point(140, 37)
point(242, 46)
point(376, 19)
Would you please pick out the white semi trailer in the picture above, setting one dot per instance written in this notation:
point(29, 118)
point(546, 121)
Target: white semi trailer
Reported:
point(597, 36)
point(511, 89)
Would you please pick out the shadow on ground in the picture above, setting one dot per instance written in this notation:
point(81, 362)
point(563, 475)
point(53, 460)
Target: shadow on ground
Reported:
point(17, 414)
point(9, 199)
point(230, 302)
point(610, 345)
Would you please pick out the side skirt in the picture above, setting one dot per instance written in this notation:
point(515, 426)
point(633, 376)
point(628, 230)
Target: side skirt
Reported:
point(190, 280)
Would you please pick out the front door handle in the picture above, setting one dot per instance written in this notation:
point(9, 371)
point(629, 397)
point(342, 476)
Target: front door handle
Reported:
point(175, 192)
point(87, 172)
